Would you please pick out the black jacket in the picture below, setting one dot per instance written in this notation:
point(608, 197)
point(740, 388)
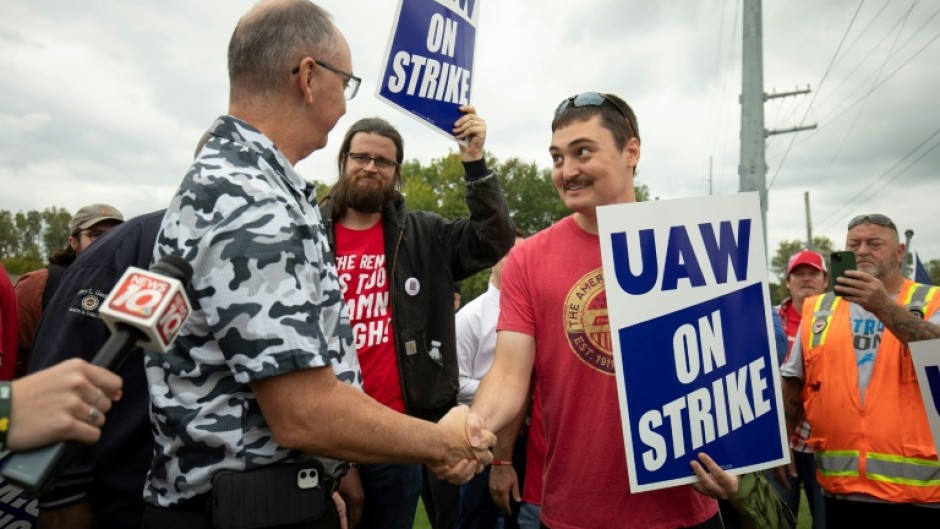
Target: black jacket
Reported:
point(426, 247)
point(110, 474)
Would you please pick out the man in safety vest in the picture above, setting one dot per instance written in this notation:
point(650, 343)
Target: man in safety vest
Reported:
point(850, 372)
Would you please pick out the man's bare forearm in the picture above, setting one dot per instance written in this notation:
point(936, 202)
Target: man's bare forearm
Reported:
point(312, 412)
point(906, 326)
point(506, 437)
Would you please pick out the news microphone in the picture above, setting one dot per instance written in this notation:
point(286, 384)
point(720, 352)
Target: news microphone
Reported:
point(146, 308)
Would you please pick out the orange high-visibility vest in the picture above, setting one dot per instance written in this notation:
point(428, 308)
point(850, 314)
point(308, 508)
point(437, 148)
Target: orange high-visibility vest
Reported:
point(884, 448)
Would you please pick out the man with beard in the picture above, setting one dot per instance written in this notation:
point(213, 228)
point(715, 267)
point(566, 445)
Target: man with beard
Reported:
point(850, 372)
point(397, 269)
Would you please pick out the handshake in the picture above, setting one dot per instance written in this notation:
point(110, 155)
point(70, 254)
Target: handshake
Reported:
point(467, 445)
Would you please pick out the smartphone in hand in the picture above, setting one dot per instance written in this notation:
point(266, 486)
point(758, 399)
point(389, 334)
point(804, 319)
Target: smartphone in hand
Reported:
point(840, 261)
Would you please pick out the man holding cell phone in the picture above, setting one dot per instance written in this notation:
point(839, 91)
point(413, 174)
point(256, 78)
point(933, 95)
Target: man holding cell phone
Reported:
point(850, 372)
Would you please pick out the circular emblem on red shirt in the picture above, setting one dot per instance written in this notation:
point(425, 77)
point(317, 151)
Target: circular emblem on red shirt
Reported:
point(586, 322)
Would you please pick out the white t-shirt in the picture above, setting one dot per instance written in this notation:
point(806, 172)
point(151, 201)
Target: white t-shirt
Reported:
point(866, 337)
point(476, 341)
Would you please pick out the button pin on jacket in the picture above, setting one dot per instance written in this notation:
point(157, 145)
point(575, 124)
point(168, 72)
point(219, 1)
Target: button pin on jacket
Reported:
point(412, 286)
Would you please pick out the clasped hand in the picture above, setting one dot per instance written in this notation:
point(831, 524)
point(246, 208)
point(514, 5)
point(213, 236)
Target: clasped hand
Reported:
point(468, 446)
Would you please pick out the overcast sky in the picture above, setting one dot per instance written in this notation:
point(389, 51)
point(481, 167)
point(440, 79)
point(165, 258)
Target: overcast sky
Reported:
point(104, 101)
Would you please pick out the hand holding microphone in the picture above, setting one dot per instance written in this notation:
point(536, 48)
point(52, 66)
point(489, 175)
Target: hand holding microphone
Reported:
point(145, 308)
point(65, 401)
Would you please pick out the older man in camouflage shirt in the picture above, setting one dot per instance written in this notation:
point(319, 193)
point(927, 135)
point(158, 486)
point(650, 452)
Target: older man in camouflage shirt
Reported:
point(256, 376)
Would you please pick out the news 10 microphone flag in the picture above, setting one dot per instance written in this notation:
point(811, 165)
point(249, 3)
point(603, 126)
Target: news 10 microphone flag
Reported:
point(689, 315)
point(153, 303)
point(427, 72)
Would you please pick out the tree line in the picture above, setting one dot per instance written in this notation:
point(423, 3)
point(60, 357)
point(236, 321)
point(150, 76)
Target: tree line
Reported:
point(27, 238)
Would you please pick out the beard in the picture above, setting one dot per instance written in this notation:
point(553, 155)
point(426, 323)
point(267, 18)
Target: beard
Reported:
point(365, 194)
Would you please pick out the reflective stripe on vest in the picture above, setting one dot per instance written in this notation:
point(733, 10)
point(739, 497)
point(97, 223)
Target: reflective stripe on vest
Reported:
point(822, 318)
point(838, 463)
point(903, 470)
point(918, 297)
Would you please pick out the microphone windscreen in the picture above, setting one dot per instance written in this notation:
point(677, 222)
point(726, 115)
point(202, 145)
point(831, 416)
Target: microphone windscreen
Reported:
point(174, 266)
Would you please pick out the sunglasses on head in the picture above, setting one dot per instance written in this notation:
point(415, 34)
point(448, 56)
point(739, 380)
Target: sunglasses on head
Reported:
point(593, 99)
point(875, 218)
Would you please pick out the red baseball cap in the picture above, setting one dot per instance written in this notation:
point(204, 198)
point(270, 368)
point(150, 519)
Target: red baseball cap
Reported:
point(806, 257)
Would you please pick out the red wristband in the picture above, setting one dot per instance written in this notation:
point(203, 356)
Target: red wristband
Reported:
point(501, 462)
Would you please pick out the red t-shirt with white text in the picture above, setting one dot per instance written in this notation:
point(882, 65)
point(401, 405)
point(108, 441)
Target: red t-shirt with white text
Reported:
point(360, 261)
point(553, 290)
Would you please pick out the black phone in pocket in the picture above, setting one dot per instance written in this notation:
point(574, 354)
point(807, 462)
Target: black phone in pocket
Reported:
point(270, 496)
point(840, 262)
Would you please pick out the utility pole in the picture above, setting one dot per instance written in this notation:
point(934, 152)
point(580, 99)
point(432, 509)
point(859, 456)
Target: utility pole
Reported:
point(908, 235)
point(710, 193)
point(752, 170)
point(809, 223)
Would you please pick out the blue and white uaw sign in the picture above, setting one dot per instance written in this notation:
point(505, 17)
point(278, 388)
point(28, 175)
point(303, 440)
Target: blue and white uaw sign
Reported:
point(926, 358)
point(428, 67)
point(688, 301)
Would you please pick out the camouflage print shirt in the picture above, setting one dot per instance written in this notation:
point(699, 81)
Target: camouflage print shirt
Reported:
point(266, 301)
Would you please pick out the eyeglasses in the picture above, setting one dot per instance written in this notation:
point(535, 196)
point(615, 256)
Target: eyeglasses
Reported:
point(875, 218)
point(92, 234)
point(364, 159)
point(352, 82)
point(594, 99)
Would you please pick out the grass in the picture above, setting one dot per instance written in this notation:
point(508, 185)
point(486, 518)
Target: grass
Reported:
point(421, 517)
point(803, 520)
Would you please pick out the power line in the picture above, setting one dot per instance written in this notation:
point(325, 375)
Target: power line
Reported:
point(831, 118)
point(868, 188)
point(816, 93)
point(717, 139)
point(864, 59)
point(861, 109)
point(886, 79)
point(839, 113)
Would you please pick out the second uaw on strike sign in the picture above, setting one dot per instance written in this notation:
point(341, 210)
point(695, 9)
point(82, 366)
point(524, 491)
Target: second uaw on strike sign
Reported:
point(693, 347)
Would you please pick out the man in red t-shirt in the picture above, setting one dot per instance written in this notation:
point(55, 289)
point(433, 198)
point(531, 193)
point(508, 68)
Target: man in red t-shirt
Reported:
point(397, 270)
point(553, 319)
point(806, 277)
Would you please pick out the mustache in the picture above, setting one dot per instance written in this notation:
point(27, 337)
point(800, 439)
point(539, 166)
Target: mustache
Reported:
point(576, 182)
point(366, 176)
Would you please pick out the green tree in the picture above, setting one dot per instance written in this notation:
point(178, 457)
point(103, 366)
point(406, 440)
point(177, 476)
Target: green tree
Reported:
point(29, 231)
point(438, 187)
point(55, 232)
point(933, 268)
point(533, 202)
point(8, 239)
point(778, 264)
point(27, 238)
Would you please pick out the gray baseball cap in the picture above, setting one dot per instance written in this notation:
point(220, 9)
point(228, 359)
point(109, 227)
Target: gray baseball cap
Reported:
point(92, 214)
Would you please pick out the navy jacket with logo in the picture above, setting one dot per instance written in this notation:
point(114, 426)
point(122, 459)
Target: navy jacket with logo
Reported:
point(109, 474)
